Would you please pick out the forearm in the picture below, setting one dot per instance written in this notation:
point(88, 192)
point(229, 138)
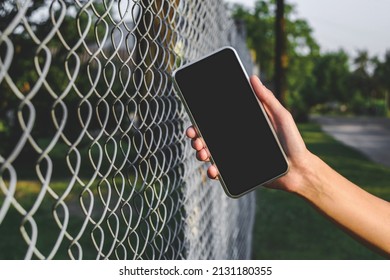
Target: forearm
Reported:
point(362, 214)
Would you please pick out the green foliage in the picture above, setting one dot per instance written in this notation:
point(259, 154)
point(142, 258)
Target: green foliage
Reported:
point(331, 72)
point(332, 81)
point(301, 47)
point(382, 71)
point(261, 36)
point(259, 24)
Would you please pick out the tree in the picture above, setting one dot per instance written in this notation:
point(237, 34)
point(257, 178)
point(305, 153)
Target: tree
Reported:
point(332, 73)
point(280, 52)
point(301, 50)
point(361, 76)
point(381, 79)
point(362, 84)
point(259, 25)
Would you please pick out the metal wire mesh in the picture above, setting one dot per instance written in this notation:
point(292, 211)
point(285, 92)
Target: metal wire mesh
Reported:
point(93, 159)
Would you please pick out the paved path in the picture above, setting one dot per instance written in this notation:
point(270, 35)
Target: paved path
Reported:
point(371, 136)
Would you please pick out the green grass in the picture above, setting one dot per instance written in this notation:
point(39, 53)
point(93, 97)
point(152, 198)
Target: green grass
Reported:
point(289, 228)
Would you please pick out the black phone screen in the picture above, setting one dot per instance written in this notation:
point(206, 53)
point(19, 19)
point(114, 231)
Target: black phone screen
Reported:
point(226, 112)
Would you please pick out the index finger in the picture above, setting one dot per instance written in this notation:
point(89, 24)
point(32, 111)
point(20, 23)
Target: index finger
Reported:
point(265, 96)
point(191, 132)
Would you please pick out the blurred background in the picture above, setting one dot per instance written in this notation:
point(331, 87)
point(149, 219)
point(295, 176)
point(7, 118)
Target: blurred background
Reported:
point(334, 55)
point(329, 63)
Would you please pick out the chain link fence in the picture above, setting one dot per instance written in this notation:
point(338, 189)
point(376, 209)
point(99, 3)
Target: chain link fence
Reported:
point(94, 163)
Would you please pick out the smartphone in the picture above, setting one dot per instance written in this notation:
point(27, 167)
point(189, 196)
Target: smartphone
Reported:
point(226, 113)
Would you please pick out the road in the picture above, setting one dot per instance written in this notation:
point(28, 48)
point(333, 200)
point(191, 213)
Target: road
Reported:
point(371, 136)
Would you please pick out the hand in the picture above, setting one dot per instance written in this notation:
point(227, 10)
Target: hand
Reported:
point(287, 133)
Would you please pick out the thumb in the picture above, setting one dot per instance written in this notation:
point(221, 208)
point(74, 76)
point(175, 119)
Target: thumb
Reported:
point(273, 106)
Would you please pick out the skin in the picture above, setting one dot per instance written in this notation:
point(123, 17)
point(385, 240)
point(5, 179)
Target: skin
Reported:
point(361, 214)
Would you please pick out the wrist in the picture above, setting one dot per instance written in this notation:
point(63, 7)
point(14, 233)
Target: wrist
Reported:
point(312, 170)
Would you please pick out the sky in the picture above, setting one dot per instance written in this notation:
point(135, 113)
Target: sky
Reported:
point(349, 24)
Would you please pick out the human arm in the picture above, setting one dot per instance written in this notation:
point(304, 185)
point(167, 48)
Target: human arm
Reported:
point(363, 215)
